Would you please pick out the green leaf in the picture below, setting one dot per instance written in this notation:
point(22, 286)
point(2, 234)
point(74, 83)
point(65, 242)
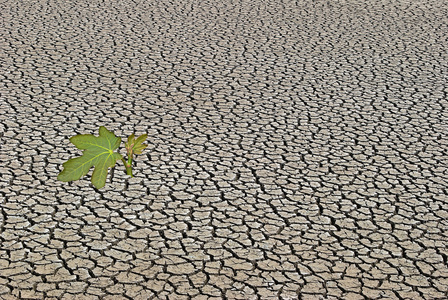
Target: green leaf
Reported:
point(139, 146)
point(98, 152)
point(136, 145)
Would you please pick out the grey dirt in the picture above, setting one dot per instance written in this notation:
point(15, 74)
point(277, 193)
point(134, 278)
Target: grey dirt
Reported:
point(297, 149)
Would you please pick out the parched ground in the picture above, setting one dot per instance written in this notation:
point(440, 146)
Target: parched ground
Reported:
point(297, 149)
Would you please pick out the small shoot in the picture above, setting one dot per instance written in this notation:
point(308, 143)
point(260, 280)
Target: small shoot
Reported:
point(133, 146)
point(99, 152)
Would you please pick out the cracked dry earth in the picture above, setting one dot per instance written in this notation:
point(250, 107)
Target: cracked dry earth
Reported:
point(297, 149)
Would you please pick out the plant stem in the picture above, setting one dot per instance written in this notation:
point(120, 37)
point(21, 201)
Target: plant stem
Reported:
point(128, 167)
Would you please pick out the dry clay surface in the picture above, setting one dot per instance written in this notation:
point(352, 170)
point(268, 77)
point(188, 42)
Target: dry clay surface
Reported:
point(297, 149)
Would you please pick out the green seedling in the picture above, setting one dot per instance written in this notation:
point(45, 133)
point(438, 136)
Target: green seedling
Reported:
point(99, 152)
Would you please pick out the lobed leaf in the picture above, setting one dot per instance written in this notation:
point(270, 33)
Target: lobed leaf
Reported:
point(98, 152)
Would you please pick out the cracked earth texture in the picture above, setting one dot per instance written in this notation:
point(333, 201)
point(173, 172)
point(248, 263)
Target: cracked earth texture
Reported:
point(297, 149)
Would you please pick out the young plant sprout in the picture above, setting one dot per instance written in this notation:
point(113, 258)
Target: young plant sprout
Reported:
point(99, 152)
